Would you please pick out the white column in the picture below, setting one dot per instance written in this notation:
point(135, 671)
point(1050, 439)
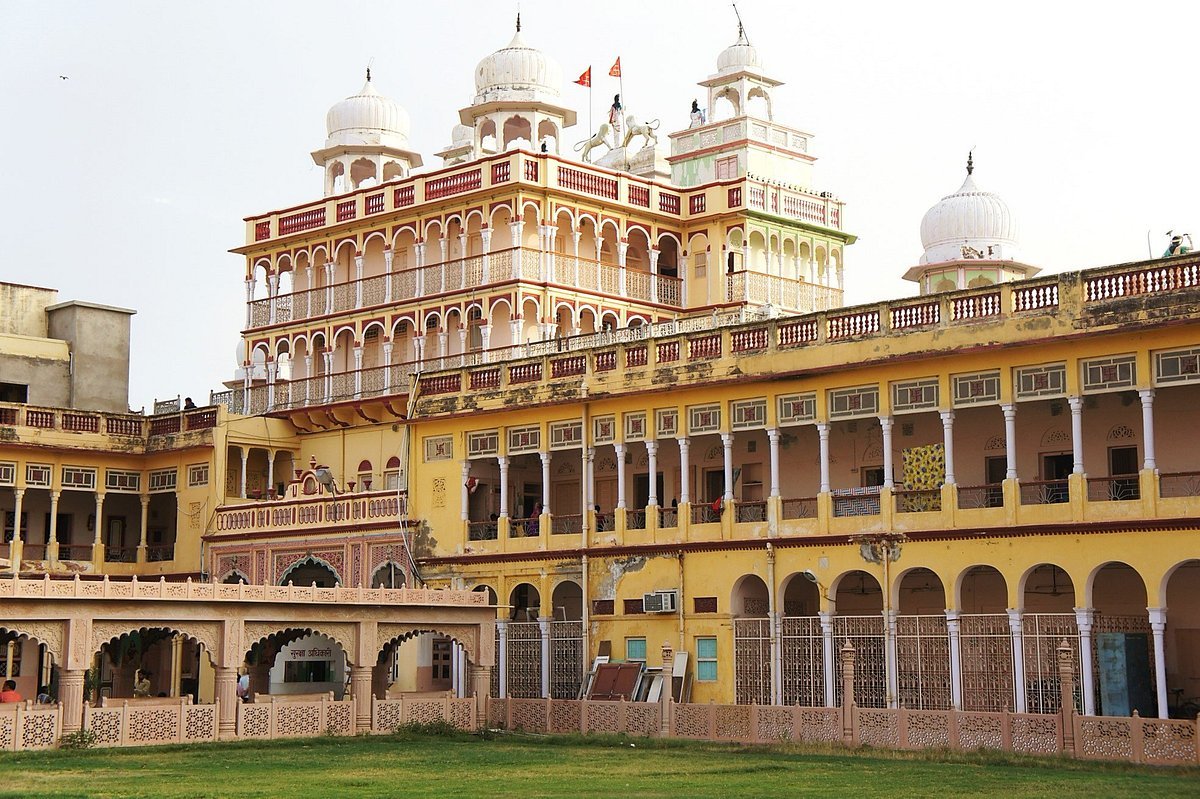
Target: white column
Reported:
point(1010, 440)
point(502, 658)
point(503, 461)
point(272, 292)
point(1015, 627)
point(358, 274)
point(329, 268)
point(485, 236)
point(387, 366)
point(249, 298)
point(654, 274)
point(620, 450)
point(1147, 395)
point(652, 458)
point(270, 469)
point(589, 478)
point(272, 372)
point(388, 257)
point(823, 436)
point(685, 469)
point(622, 251)
point(727, 441)
point(465, 495)
point(948, 439)
point(1158, 627)
point(773, 442)
point(52, 534)
point(544, 628)
point(545, 456)
point(245, 457)
point(358, 356)
point(575, 235)
point(891, 657)
point(328, 355)
point(16, 547)
point(885, 425)
point(1076, 404)
point(952, 630)
point(829, 656)
point(1083, 619)
point(419, 264)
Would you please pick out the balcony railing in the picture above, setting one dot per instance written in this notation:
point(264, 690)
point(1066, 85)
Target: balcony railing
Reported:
point(921, 501)
point(796, 295)
point(668, 518)
point(1113, 489)
point(800, 508)
point(482, 531)
point(345, 510)
point(984, 496)
point(635, 519)
point(1044, 492)
point(1179, 484)
point(750, 512)
point(469, 274)
point(856, 502)
point(108, 424)
point(565, 524)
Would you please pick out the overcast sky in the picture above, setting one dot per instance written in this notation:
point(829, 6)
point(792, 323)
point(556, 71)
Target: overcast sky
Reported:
point(127, 183)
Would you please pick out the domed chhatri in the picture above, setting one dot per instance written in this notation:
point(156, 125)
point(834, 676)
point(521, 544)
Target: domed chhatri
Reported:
point(367, 118)
point(964, 236)
point(740, 55)
point(517, 72)
point(366, 142)
point(517, 103)
point(971, 223)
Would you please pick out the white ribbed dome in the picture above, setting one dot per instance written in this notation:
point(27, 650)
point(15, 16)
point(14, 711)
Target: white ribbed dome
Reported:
point(969, 218)
point(738, 56)
point(367, 118)
point(517, 72)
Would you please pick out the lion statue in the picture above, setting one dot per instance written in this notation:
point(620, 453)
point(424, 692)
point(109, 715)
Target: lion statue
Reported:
point(584, 148)
point(645, 130)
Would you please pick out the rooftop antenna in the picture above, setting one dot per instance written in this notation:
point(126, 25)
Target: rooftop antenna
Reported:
point(741, 27)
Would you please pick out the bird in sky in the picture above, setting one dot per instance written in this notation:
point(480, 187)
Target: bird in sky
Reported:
point(63, 77)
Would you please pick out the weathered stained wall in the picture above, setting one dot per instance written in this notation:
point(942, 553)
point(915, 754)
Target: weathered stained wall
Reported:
point(99, 339)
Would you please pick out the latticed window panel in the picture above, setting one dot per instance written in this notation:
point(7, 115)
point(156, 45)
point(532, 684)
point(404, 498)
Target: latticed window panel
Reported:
point(1041, 633)
point(923, 662)
point(865, 634)
point(803, 656)
point(524, 660)
point(566, 659)
point(1105, 623)
point(752, 661)
point(986, 644)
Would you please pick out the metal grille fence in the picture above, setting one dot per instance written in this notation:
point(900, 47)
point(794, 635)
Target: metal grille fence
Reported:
point(752, 661)
point(566, 659)
point(986, 644)
point(803, 672)
point(923, 662)
point(524, 659)
point(865, 633)
point(1041, 633)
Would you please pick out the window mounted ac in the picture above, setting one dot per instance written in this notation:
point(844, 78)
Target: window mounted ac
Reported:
point(661, 602)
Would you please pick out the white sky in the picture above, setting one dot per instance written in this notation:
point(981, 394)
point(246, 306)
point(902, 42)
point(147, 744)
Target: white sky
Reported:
point(127, 183)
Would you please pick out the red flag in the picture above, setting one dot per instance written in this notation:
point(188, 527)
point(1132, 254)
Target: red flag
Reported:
point(616, 68)
point(586, 78)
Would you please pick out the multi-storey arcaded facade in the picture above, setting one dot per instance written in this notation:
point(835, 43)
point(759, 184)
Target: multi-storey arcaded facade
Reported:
point(626, 401)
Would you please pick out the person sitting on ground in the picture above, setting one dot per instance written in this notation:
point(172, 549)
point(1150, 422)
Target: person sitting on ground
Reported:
point(8, 694)
point(43, 696)
point(243, 687)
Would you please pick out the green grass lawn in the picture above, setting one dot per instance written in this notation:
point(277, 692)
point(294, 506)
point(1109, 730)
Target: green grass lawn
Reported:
point(535, 766)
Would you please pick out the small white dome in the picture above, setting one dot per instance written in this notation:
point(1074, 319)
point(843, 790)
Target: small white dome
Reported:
point(969, 218)
point(738, 56)
point(517, 72)
point(367, 118)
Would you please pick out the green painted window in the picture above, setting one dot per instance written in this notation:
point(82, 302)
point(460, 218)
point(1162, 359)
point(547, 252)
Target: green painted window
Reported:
point(635, 650)
point(706, 659)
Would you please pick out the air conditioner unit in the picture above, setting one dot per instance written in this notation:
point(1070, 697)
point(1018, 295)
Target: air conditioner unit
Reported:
point(661, 602)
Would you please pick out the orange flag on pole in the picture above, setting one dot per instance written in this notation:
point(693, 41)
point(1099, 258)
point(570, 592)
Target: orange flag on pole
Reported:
point(616, 68)
point(586, 78)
